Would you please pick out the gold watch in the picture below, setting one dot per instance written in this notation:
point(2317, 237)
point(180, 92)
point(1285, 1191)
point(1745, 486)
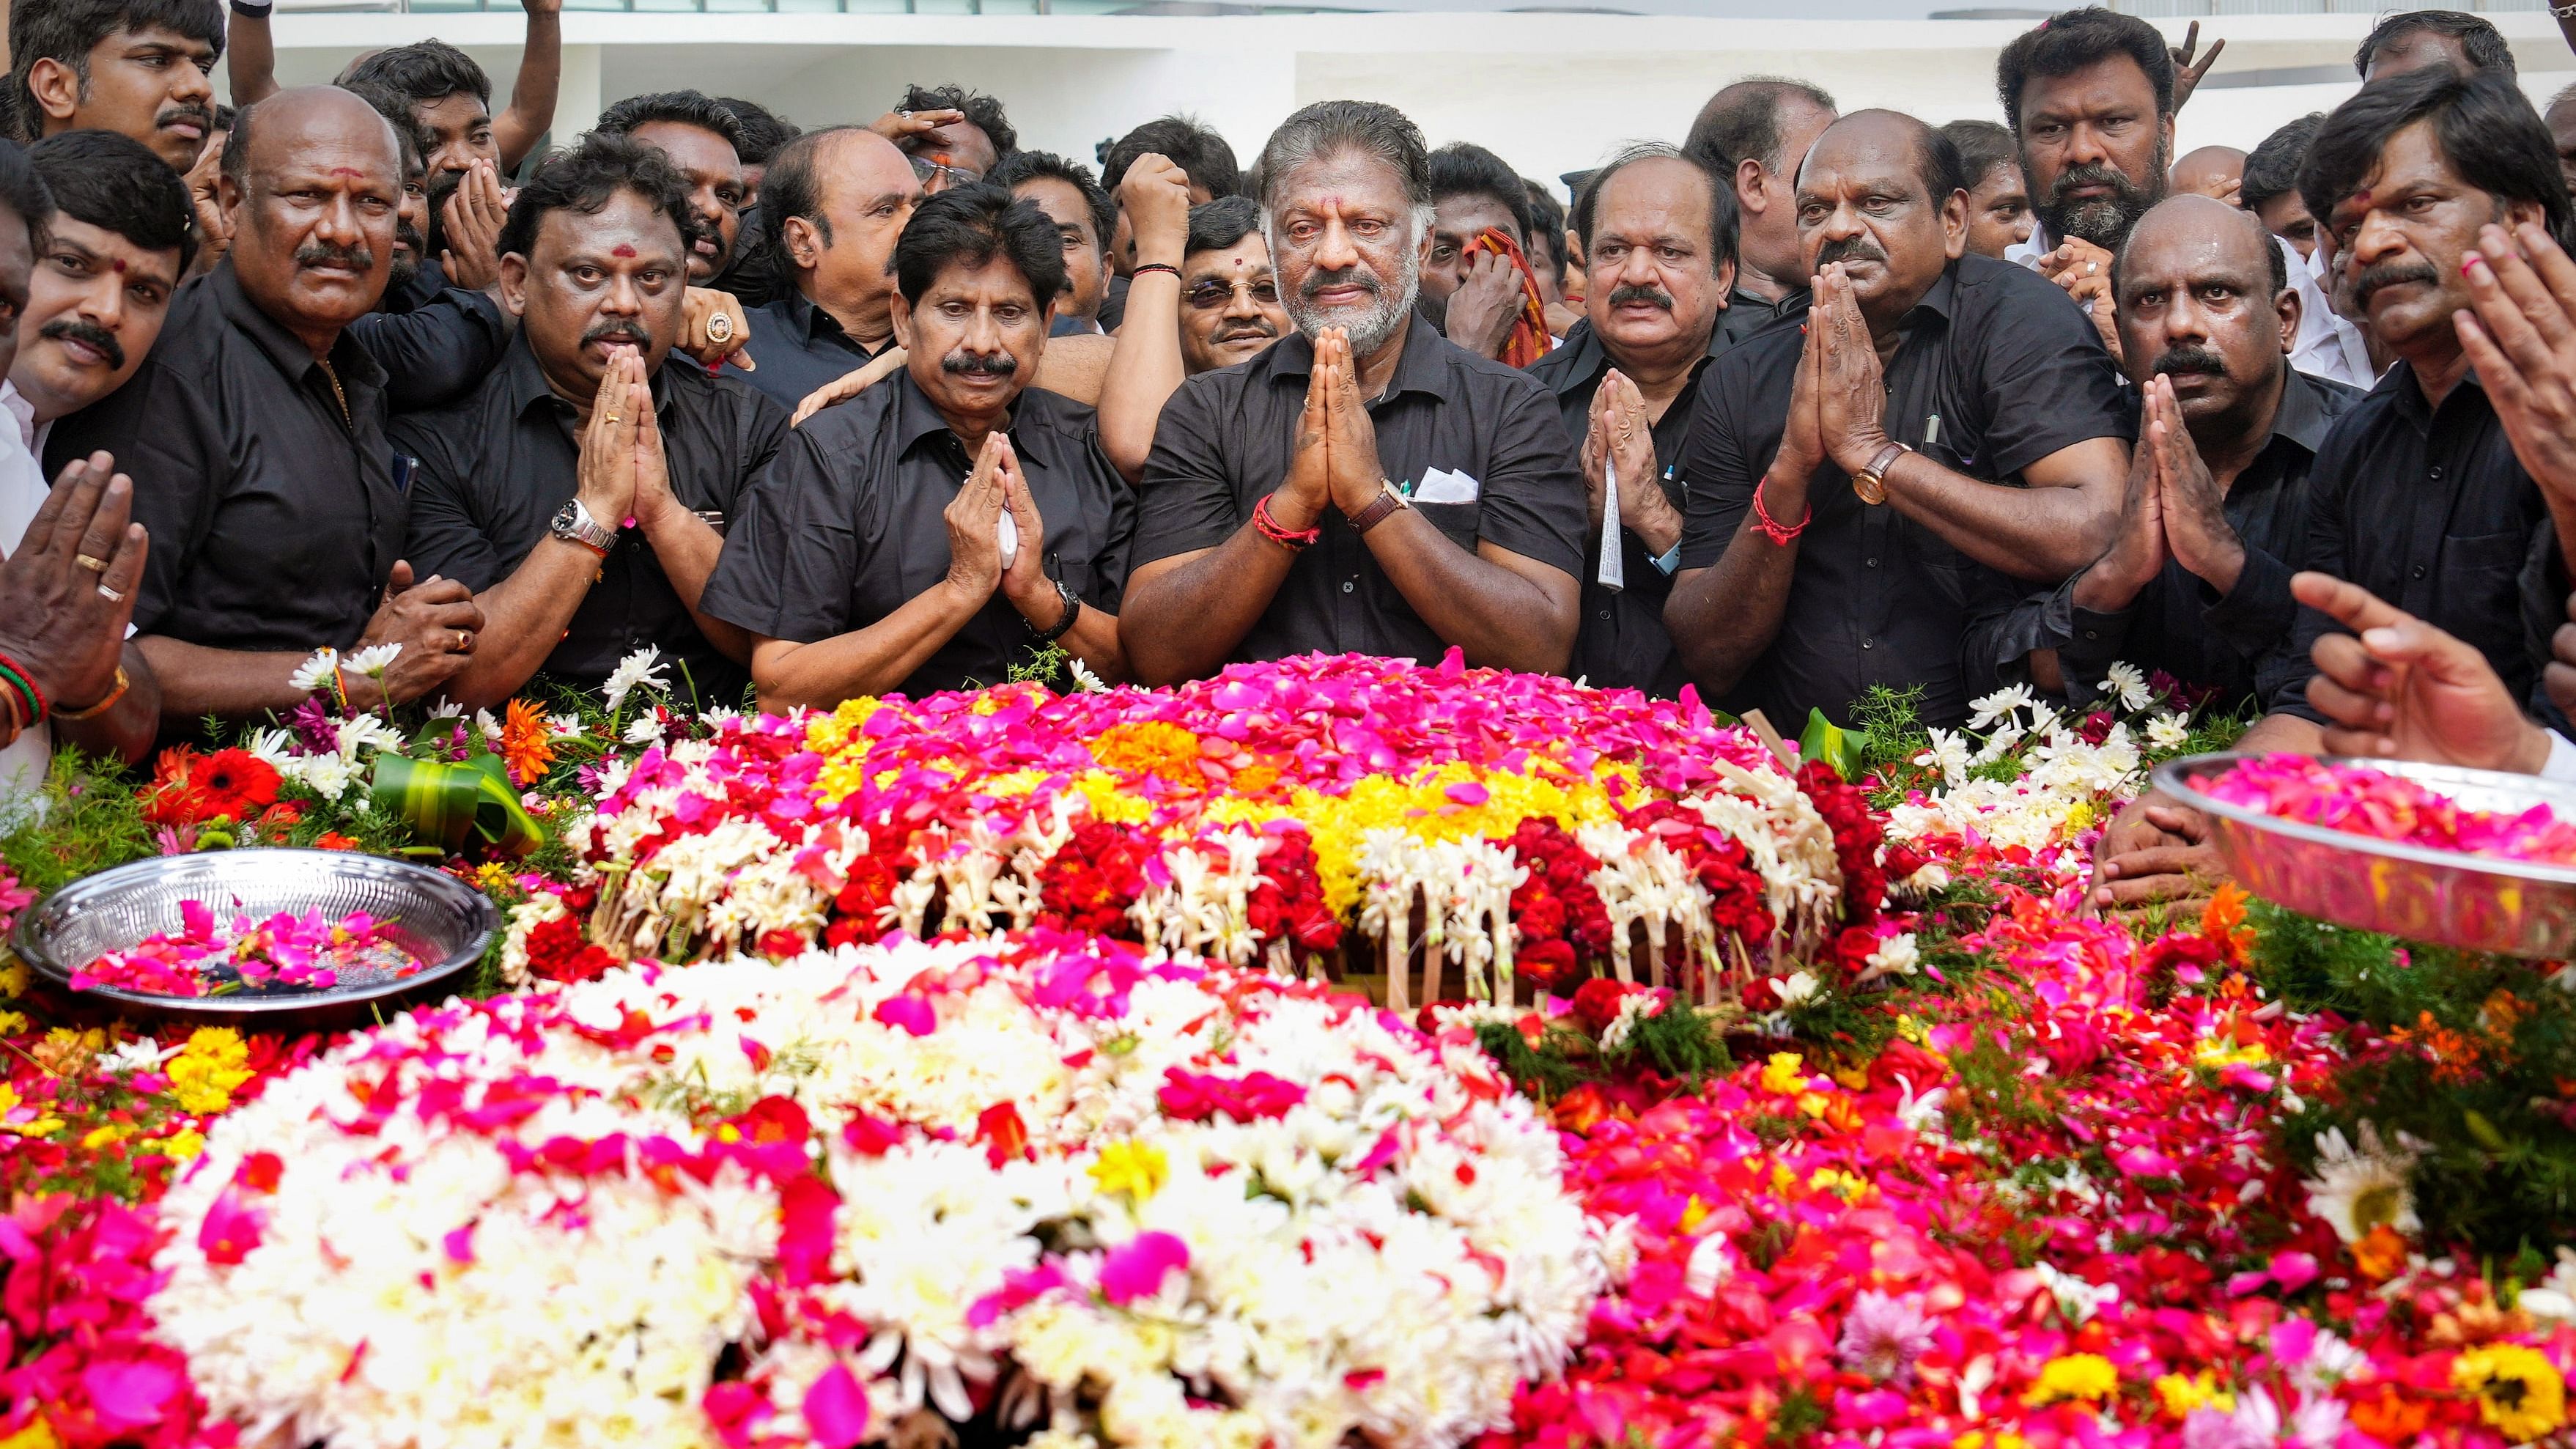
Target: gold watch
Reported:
point(1869, 485)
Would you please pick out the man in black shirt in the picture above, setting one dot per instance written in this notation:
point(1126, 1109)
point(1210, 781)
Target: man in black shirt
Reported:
point(1941, 419)
point(434, 341)
point(1754, 134)
point(522, 487)
point(1273, 522)
point(874, 555)
point(105, 274)
point(839, 197)
point(2196, 583)
point(255, 436)
point(1230, 308)
point(1082, 214)
point(970, 140)
point(144, 70)
point(1475, 295)
point(2416, 495)
point(1659, 247)
point(703, 140)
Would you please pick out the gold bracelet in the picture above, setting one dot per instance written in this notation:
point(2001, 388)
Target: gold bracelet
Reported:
point(100, 708)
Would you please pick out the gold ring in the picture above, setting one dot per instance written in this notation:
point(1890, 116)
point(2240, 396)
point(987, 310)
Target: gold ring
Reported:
point(464, 641)
point(612, 417)
point(111, 595)
point(94, 565)
point(720, 327)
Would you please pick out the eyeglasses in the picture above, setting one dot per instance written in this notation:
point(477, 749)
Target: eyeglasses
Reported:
point(1210, 295)
point(931, 168)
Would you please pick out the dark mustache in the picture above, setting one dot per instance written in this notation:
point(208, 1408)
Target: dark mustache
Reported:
point(408, 235)
point(631, 333)
point(2091, 173)
point(1851, 249)
point(999, 364)
point(2389, 274)
point(2188, 358)
point(357, 256)
point(1627, 292)
point(204, 116)
point(1346, 277)
point(87, 332)
point(1248, 327)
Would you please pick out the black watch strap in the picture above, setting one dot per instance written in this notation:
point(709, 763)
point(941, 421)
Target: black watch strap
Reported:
point(253, 9)
point(1063, 621)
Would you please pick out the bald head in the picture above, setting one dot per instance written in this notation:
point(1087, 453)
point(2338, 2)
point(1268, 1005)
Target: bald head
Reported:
point(836, 200)
point(2204, 300)
point(2209, 171)
point(313, 178)
point(1880, 195)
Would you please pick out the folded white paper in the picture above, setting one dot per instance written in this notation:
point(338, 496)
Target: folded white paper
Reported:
point(1442, 486)
point(1009, 537)
point(1614, 559)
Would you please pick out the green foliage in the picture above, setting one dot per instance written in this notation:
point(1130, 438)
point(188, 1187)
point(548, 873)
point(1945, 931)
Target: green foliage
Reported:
point(2473, 1053)
point(1543, 1076)
point(89, 820)
point(1680, 1043)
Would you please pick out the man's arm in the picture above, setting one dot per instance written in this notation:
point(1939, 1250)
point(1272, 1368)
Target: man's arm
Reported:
point(1722, 614)
point(1204, 577)
point(516, 131)
point(1146, 369)
point(250, 56)
point(435, 353)
point(426, 619)
point(2042, 533)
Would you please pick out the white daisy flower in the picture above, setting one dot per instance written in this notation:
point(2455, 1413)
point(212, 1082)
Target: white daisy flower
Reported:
point(315, 671)
point(374, 660)
point(2358, 1188)
point(641, 669)
point(565, 726)
point(1084, 680)
point(644, 730)
point(1795, 988)
point(446, 709)
point(1948, 754)
point(2127, 685)
point(2168, 732)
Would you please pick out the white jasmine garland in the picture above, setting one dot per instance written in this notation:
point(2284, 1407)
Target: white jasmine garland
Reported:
point(1410, 1253)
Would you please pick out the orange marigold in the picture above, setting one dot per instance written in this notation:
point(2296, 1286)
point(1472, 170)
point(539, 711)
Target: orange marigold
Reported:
point(1150, 747)
point(525, 746)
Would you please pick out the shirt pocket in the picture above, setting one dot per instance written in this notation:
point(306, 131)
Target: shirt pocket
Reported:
point(1462, 522)
point(2466, 558)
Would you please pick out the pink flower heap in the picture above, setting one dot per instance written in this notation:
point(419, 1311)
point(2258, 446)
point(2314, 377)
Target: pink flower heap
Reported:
point(2364, 801)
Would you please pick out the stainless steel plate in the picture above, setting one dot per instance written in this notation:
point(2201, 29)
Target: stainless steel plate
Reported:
point(2476, 902)
point(443, 923)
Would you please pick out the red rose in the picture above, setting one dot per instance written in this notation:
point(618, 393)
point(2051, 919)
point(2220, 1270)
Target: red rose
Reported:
point(1597, 1001)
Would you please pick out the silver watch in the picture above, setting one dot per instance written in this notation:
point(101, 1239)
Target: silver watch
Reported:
point(573, 524)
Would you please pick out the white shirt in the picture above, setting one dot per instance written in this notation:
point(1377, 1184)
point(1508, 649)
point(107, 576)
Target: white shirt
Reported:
point(2327, 346)
point(22, 492)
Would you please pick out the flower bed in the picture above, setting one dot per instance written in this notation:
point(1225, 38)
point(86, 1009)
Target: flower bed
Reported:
point(744, 1163)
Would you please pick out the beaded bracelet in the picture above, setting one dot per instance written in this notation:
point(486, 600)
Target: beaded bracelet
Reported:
point(1771, 529)
point(15, 675)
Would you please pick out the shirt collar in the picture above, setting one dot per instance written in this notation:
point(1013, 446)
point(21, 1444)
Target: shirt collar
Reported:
point(355, 368)
point(2301, 418)
point(916, 418)
point(812, 323)
point(2408, 394)
point(525, 378)
point(1936, 301)
point(21, 412)
point(1586, 359)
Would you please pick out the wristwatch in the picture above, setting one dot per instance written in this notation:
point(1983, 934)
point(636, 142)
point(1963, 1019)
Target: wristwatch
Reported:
point(1063, 621)
point(1389, 499)
point(1869, 485)
point(573, 524)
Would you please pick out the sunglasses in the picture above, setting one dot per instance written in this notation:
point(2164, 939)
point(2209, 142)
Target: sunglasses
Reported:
point(930, 168)
point(1209, 295)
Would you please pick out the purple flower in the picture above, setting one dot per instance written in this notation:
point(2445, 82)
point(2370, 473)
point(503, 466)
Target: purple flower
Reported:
point(1883, 1336)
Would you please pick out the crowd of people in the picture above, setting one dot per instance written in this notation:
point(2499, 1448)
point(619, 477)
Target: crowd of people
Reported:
point(1810, 402)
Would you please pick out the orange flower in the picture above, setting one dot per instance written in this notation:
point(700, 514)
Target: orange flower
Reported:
point(2392, 1417)
point(2454, 1055)
point(2223, 919)
point(525, 747)
point(2379, 1255)
point(1150, 747)
point(333, 840)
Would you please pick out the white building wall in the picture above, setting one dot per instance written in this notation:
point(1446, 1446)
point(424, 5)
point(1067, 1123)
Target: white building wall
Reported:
point(1550, 92)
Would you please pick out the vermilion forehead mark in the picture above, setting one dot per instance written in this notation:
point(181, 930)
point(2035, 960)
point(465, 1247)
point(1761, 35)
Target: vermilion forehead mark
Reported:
point(621, 250)
point(116, 263)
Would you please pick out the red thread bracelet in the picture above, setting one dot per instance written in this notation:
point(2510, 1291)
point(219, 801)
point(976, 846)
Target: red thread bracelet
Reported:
point(1291, 539)
point(1772, 530)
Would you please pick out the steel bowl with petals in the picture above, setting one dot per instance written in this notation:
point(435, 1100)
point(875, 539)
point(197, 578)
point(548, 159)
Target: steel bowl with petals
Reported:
point(439, 921)
point(2445, 897)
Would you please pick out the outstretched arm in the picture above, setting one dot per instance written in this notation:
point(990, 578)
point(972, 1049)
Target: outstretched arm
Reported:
point(516, 131)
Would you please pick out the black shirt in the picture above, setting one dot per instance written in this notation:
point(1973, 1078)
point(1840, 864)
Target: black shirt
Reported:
point(2177, 623)
point(496, 466)
point(1225, 440)
point(274, 516)
point(1621, 643)
point(848, 526)
point(750, 274)
point(2427, 508)
point(798, 347)
point(2013, 373)
point(1747, 314)
point(437, 351)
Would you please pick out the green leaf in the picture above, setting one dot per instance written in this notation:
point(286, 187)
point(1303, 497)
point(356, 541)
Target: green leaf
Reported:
point(1825, 741)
